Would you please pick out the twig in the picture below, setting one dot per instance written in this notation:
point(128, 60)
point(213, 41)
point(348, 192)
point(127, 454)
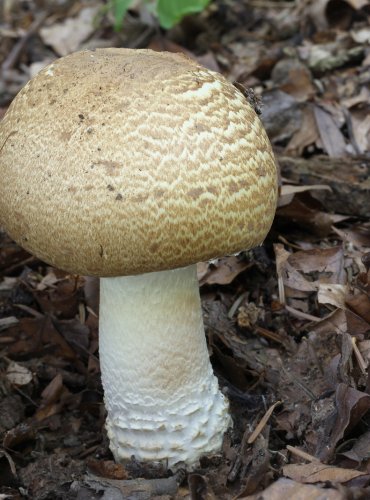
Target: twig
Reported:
point(287, 242)
point(236, 304)
point(29, 310)
point(7, 322)
point(270, 4)
point(22, 263)
point(91, 311)
point(302, 454)
point(88, 451)
point(26, 396)
point(257, 431)
point(350, 131)
point(281, 288)
point(16, 51)
point(360, 360)
point(302, 315)
point(10, 461)
point(268, 334)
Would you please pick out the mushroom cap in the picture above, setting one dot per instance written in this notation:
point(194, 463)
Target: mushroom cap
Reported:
point(117, 161)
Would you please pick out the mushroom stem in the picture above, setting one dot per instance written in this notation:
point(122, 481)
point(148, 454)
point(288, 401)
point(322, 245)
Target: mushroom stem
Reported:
point(161, 395)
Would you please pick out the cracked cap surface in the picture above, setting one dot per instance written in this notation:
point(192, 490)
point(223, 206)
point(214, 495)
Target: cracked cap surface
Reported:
point(117, 161)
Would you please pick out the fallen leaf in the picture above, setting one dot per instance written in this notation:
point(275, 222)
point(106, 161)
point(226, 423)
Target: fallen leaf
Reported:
point(200, 488)
point(360, 304)
point(361, 35)
point(223, 271)
point(341, 321)
point(25, 431)
point(8, 322)
point(358, 4)
point(18, 374)
point(361, 128)
point(107, 468)
point(330, 134)
point(256, 465)
point(67, 36)
point(294, 78)
point(53, 390)
point(351, 405)
point(360, 451)
point(306, 135)
point(333, 294)
point(284, 489)
point(318, 473)
point(53, 397)
point(288, 191)
point(38, 335)
point(48, 281)
point(301, 214)
point(281, 115)
point(326, 13)
point(357, 234)
point(305, 270)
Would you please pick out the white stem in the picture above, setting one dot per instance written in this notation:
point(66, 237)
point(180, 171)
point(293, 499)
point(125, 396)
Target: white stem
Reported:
point(162, 398)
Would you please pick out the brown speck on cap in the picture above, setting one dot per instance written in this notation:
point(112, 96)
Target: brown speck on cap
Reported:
point(196, 174)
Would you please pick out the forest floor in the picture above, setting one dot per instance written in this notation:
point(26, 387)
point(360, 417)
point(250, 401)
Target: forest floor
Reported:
point(288, 324)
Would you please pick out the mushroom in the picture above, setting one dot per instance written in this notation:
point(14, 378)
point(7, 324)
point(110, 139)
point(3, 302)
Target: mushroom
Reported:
point(133, 165)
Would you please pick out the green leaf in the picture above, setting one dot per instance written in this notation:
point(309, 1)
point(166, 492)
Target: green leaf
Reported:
point(119, 8)
point(170, 12)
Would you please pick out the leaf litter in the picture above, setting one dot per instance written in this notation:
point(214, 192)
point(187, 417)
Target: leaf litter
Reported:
point(288, 323)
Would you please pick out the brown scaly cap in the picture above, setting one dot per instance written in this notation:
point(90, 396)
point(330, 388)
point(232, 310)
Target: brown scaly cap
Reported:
point(117, 162)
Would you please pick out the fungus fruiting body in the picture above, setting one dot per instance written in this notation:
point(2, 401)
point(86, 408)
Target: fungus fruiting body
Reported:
point(133, 165)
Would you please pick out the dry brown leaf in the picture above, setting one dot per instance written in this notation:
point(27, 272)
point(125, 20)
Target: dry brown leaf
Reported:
point(306, 135)
point(303, 214)
point(327, 266)
point(281, 115)
point(360, 98)
point(358, 4)
point(18, 374)
point(360, 304)
point(322, 260)
point(25, 431)
point(262, 423)
point(107, 468)
point(331, 137)
point(333, 294)
point(8, 322)
point(351, 405)
point(35, 335)
point(61, 299)
point(67, 36)
point(54, 397)
point(318, 473)
point(361, 35)
point(256, 463)
point(331, 13)
point(364, 348)
point(288, 191)
point(284, 489)
point(357, 234)
point(341, 321)
point(361, 128)
point(48, 281)
point(360, 450)
point(53, 390)
point(221, 272)
point(294, 78)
